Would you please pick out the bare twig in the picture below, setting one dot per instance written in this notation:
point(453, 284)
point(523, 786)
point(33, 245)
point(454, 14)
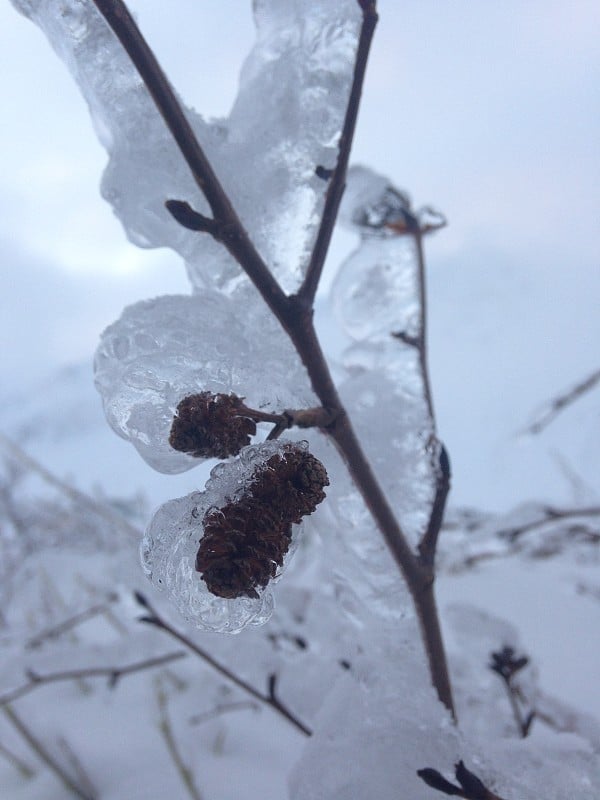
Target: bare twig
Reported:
point(25, 770)
point(43, 754)
point(506, 664)
point(428, 543)
point(295, 314)
point(223, 708)
point(562, 401)
point(114, 674)
point(76, 495)
point(153, 618)
point(77, 619)
point(550, 514)
point(337, 177)
point(78, 769)
point(186, 774)
point(470, 788)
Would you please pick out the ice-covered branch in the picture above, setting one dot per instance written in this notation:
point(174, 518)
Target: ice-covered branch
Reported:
point(337, 176)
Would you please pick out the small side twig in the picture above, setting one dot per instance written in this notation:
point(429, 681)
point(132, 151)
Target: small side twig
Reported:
point(550, 514)
point(78, 769)
point(17, 762)
point(428, 543)
point(166, 730)
point(153, 618)
point(562, 401)
point(470, 788)
point(36, 745)
point(55, 631)
point(506, 664)
point(223, 708)
point(114, 674)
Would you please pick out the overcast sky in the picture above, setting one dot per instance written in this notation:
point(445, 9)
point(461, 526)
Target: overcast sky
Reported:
point(489, 111)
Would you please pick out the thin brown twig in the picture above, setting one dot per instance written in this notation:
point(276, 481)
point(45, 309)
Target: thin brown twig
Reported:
point(337, 179)
point(562, 401)
point(153, 618)
point(43, 754)
point(295, 314)
point(55, 631)
point(79, 770)
point(428, 543)
point(551, 514)
point(186, 774)
point(223, 708)
point(18, 763)
point(114, 674)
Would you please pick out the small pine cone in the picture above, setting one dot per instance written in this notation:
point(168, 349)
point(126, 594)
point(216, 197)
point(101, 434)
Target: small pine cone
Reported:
point(243, 545)
point(245, 541)
point(211, 425)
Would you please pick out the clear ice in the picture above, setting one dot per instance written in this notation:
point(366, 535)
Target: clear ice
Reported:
point(377, 299)
point(285, 122)
point(171, 541)
point(162, 350)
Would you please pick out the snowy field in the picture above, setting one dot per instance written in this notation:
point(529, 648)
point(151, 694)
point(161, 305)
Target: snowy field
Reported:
point(513, 323)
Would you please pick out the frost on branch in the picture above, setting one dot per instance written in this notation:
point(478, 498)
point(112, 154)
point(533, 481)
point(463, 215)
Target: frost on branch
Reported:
point(163, 350)
point(215, 552)
point(285, 122)
point(377, 299)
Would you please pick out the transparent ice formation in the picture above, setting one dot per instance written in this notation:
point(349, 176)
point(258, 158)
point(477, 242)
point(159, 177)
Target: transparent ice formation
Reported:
point(285, 122)
point(375, 293)
point(165, 349)
point(170, 544)
point(377, 299)
point(371, 203)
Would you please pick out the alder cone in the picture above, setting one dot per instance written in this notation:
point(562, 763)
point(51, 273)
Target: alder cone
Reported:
point(245, 541)
point(243, 545)
point(209, 425)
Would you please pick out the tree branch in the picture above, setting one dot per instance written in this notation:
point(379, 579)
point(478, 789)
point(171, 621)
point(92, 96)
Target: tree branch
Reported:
point(166, 730)
point(153, 618)
point(114, 674)
point(237, 241)
point(77, 619)
point(561, 402)
point(294, 313)
point(337, 178)
point(43, 754)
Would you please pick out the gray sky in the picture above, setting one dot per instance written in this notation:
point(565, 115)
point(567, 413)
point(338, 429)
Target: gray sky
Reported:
point(489, 111)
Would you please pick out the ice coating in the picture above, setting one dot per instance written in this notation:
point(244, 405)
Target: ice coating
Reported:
point(162, 350)
point(375, 292)
point(377, 298)
point(371, 202)
point(285, 122)
point(169, 547)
